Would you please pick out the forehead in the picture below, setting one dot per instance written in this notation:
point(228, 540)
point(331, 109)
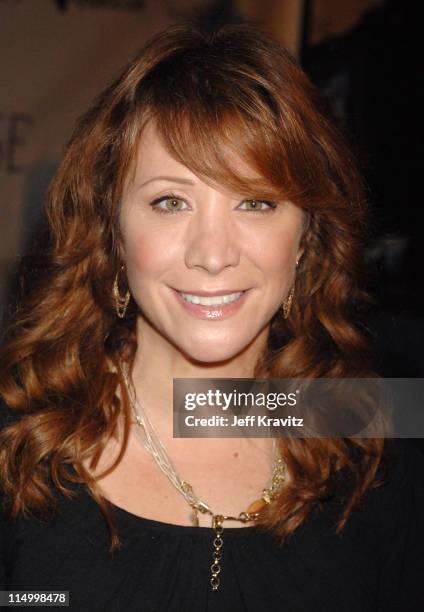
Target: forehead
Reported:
point(152, 154)
point(154, 157)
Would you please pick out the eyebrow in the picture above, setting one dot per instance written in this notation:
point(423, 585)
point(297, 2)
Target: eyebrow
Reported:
point(172, 179)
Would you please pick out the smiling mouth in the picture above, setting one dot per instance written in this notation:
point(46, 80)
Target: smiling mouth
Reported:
point(216, 300)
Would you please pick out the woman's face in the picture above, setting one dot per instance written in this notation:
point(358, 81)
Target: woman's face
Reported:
point(207, 268)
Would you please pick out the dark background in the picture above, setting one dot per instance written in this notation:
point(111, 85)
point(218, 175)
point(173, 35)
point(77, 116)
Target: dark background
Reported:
point(373, 78)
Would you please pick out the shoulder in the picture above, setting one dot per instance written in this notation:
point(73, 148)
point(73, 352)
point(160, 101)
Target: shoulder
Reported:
point(398, 510)
point(387, 529)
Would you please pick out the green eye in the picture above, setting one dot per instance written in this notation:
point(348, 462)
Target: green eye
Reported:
point(172, 204)
point(257, 205)
point(168, 204)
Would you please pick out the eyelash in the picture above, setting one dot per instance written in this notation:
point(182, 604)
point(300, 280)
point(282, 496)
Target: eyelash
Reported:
point(171, 196)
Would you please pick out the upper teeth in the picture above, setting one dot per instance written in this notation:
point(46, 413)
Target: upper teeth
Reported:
point(216, 300)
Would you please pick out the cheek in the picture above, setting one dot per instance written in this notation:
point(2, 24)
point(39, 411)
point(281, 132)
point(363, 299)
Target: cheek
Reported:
point(277, 254)
point(151, 257)
point(144, 252)
point(141, 256)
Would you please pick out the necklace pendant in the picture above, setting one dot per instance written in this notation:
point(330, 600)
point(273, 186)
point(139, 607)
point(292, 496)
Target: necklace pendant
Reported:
point(256, 506)
point(217, 520)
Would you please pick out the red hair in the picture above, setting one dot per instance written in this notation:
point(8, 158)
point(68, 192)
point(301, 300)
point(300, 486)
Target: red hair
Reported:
point(208, 94)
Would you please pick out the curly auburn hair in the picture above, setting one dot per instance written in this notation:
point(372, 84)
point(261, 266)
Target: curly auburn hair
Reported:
point(61, 361)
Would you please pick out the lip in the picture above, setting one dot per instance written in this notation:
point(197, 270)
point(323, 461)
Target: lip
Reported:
point(215, 293)
point(215, 313)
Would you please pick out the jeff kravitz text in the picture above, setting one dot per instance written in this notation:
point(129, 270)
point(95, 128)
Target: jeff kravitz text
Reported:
point(252, 420)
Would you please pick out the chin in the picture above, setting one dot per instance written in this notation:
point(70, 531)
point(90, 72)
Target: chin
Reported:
point(209, 358)
point(209, 352)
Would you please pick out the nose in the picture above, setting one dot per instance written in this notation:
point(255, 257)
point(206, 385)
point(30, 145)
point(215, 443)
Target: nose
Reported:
point(212, 240)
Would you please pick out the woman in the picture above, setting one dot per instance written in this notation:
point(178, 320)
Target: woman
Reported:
point(206, 222)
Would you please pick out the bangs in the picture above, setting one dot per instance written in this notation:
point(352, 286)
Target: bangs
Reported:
point(223, 128)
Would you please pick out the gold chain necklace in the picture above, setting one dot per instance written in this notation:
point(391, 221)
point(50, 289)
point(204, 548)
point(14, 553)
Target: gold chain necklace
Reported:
point(154, 446)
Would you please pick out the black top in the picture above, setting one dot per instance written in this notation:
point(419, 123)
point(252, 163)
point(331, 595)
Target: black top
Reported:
point(376, 564)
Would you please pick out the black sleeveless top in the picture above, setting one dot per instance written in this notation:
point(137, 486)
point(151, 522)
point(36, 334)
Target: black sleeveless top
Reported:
point(377, 563)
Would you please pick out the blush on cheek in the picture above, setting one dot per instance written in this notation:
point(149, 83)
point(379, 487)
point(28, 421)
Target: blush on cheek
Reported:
point(142, 254)
point(281, 262)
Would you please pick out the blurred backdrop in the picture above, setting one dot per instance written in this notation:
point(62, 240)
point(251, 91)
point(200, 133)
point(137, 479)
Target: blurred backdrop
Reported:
point(364, 55)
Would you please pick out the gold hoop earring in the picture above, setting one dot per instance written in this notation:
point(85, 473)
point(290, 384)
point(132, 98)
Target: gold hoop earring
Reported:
point(121, 303)
point(287, 303)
